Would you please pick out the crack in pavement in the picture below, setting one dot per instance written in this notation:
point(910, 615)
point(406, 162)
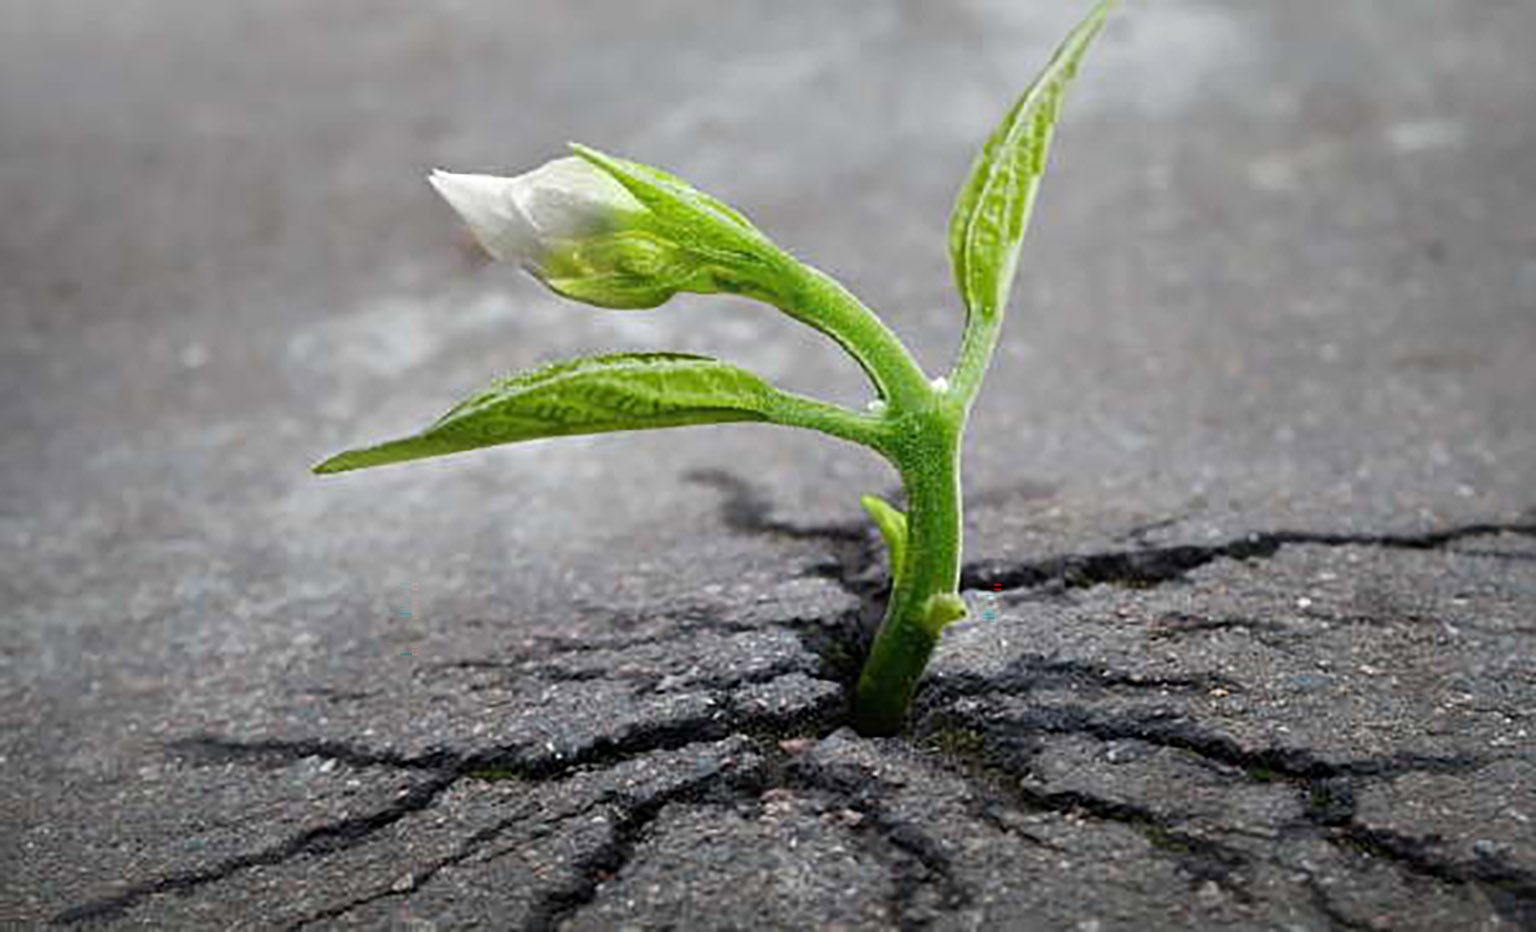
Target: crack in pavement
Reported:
point(1153, 566)
point(213, 750)
point(609, 859)
point(1172, 625)
point(322, 839)
point(468, 849)
point(1327, 789)
point(1511, 890)
point(1334, 913)
point(918, 861)
point(1174, 730)
point(603, 862)
point(1028, 672)
point(446, 768)
point(984, 768)
point(921, 862)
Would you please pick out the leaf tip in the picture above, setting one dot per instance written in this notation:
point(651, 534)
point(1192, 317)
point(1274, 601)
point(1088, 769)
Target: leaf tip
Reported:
point(328, 466)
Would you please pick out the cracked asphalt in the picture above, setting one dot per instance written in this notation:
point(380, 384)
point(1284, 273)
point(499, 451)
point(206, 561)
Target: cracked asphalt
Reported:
point(1253, 478)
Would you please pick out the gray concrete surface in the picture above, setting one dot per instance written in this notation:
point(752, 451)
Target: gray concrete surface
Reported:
point(1254, 473)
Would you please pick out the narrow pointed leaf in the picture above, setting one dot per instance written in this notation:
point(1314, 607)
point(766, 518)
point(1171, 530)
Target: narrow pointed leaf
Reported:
point(893, 527)
point(630, 391)
point(941, 609)
point(992, 210)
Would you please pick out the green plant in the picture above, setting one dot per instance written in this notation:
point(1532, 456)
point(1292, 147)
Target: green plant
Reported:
point(617, 234)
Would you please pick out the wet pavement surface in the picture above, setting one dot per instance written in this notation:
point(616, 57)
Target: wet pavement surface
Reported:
point(1252, 481)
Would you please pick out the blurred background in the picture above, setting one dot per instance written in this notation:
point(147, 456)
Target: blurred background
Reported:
point(1283, 273)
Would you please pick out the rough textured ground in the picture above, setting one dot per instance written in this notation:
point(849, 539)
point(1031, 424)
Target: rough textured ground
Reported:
point(1253, 478)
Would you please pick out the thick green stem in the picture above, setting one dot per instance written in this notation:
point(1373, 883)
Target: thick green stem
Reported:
point(919, 432)
point(926, 451)
point(818, 300)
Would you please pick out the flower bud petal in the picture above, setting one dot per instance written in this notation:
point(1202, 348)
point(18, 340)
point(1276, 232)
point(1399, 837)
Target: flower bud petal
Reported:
point(569, 198)
point(487, 205)
point(610, 233)
point(522, 219)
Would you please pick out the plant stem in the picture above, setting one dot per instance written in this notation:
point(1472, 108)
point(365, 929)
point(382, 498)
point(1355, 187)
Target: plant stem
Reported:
point(818, 300)
point(919, 433)
point(925, 450)
point(976, 348)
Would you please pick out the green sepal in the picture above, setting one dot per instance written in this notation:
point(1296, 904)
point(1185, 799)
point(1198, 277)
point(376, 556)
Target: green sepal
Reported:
point(992, 210)
point(736, 256)
point(667, 195)
point(893, 527)
point(627, 391)
point(628, 270)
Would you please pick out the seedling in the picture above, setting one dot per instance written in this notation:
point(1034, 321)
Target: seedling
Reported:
point(618, 234)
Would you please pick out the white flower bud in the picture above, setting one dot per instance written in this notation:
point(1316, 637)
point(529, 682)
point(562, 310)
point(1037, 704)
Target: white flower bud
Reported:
point(527, 218)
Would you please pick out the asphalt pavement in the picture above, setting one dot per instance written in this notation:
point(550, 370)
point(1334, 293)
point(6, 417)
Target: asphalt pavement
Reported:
point(1253, 477)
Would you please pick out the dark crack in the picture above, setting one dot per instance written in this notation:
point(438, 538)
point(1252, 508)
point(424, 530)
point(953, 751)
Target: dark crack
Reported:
point(602, 863)
point(468, 849)
point(986, 766)
point(1175, 624)
point(324, 839)
point(213, 750)
point(1336, 916)
point(919, 862)
point(1002, 747)
point(855, 566)
point(609, 859)
point(446, 768)
point(1175, 730)
point(607, 751)
point(993, 752)
point(1154, 566)
point(1202, 859)
point(1029, 672)
point(1510, 889)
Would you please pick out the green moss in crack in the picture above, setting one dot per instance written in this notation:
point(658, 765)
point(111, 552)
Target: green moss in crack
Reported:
point(964, 743)
point(618, 234)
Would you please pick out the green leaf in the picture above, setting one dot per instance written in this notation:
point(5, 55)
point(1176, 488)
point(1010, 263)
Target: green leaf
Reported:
point(627, 391)
point(940, 610)
point(992, 210)
point(893, 527)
